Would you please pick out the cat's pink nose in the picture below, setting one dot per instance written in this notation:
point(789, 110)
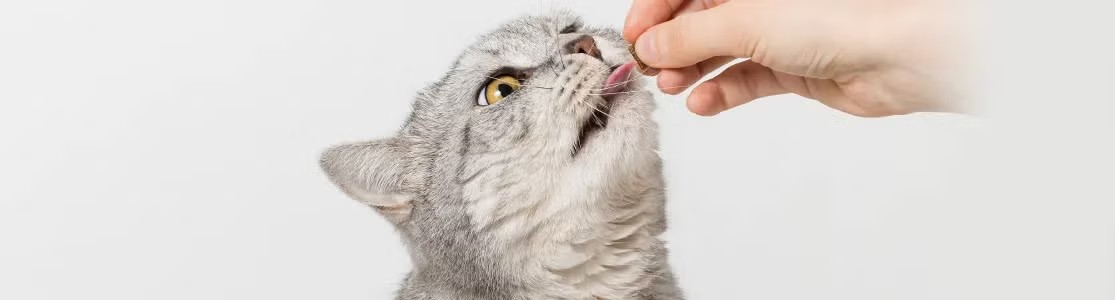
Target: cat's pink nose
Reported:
point(585, 45)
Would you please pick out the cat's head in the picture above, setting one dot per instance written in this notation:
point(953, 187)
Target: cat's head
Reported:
point(538, 119)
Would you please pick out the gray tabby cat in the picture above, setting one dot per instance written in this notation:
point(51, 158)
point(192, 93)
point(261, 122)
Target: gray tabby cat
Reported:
point(527, 172)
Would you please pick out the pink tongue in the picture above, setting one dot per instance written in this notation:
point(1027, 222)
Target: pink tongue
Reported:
point(617, 81)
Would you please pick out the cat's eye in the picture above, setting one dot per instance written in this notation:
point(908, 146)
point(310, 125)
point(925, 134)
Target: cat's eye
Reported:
point(497, 89)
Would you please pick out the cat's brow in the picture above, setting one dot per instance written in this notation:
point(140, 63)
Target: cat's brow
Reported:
point(492, 52)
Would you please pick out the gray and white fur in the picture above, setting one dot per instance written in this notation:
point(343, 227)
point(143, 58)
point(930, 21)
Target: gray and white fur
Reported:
point(511, 200)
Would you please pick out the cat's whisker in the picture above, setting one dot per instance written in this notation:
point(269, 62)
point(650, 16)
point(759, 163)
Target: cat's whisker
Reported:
point(557, 45)
point(596, 89)
point(592, 106)
point(562, 60)
point(640, 123)
point(671, 87)
point(593, 47)
point(615, 84)
point(680, 86)
point(616, 93)
point(644, 70)
point(605, 87)
point(553, 68)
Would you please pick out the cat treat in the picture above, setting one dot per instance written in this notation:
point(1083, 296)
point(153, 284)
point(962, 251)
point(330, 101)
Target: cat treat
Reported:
point(643, 67)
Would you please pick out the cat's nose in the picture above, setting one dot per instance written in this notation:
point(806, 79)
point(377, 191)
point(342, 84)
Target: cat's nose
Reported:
point(585, 45)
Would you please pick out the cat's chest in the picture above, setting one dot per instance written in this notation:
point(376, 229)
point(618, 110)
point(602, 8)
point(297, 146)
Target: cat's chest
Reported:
point(606, 259)
point(612, 266)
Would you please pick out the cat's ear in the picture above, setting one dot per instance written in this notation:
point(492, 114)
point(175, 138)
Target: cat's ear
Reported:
point(371, 172)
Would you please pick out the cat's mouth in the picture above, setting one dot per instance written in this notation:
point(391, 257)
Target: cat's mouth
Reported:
point(615, 85)
point(595, 123)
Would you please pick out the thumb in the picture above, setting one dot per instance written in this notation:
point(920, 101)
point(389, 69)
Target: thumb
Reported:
point(732, 29)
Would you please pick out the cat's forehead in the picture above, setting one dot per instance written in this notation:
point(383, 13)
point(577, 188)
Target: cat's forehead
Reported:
point(523, 42)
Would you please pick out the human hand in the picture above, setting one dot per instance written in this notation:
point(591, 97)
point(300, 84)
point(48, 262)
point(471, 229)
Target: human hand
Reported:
point(869, 58)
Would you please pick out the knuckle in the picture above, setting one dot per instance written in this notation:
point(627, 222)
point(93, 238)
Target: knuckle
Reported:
point(868, 101)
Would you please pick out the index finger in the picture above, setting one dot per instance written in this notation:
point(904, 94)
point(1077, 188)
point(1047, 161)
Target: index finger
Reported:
point(646, 13)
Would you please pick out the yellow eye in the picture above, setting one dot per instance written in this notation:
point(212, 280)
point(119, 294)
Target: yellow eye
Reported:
point(497, 89)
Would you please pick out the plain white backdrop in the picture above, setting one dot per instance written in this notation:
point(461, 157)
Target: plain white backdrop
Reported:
point(168, 150)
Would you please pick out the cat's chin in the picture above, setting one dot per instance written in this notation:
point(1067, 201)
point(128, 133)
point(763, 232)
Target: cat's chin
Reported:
point(618, 84)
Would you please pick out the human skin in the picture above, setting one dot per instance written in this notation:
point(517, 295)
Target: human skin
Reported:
point(868, 58)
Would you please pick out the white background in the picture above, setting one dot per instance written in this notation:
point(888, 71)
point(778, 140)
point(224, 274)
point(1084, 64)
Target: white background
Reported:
point(168, 150)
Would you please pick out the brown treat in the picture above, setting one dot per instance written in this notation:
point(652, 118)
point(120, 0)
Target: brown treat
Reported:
point(643, 68)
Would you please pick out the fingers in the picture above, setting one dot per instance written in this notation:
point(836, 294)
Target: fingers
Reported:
point(737, 85)
point(697, 5)
point(724, 30)
point(674, 81)
point(646, 13)
point(747, 81)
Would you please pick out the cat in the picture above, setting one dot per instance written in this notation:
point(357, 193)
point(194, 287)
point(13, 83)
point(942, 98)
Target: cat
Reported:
point(529, 171)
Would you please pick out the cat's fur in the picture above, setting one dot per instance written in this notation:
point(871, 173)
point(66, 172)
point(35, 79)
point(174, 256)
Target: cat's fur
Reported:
point(497, 202)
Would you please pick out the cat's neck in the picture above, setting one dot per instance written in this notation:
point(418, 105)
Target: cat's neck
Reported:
point(606, 247)
point(613, 262)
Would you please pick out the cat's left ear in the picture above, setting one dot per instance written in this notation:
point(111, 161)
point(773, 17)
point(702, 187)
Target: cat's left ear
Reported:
point(371, 172)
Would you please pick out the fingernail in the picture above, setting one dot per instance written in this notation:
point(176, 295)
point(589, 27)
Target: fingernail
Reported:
point(639, 52)
point(647, 47)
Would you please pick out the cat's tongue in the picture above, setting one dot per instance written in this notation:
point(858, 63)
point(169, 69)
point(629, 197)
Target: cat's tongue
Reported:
point(617, 82)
